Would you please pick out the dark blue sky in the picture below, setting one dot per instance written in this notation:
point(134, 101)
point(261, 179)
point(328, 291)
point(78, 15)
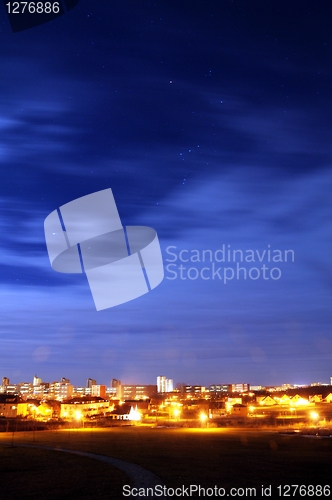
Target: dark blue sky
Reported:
point(211, 122)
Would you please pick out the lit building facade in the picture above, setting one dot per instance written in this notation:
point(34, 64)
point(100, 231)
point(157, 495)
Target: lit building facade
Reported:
point(219, 388)
point(116, 385)
point(36, 380)
point(98, 391)
point(78, 408)
point(164, 384)
point(61, 390)
point(26, 390)
point(138, 391)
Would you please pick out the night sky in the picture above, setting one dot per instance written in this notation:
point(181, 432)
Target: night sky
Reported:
point(211, 123)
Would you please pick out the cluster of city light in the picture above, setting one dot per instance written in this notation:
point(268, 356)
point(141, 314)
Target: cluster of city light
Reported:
point(134, 414)
point(39, 412)
point(178, 406)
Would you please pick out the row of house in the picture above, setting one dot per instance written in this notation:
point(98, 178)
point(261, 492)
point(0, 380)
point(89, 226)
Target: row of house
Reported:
point(12, 406)
point(297, 400)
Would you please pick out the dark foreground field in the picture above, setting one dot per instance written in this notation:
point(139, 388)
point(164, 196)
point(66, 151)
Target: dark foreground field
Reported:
point(207, 457)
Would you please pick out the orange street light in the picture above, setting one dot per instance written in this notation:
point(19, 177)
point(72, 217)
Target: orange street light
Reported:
point(203, 417)
point(314, 415)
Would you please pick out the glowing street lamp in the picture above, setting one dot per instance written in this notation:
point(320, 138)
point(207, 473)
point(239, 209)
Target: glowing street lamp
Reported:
point(79, 416)
point(314, 415)
point(203, 417)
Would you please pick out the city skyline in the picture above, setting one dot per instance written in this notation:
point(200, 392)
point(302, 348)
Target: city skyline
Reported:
point(211, 126)
point(168, 383)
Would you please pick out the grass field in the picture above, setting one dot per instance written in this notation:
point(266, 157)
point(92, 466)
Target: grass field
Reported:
point(38, 474)
point(224, 457)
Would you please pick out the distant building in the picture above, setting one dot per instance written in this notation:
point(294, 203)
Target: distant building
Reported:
point(219, 388)
point(316, 398)
point(164, 384)
point(240, 410)
point(11, 389)
point(25, 389)
point(121, 412)
point(78, 408)
point(328, 398)
point(138, 391)
point(61, 390)
point(98, 391)
point(266, 401)
point(240, 387)
point(7, 388)
point(79, 391)
point(11, 406)
point(233, 401)
point(36, 380)
point(299, 400)
point(111, 393)
point(116, 384)
point(90, 382)
point(41, 391)
point(126, 412)
point(161, 383)
point(193, 389)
